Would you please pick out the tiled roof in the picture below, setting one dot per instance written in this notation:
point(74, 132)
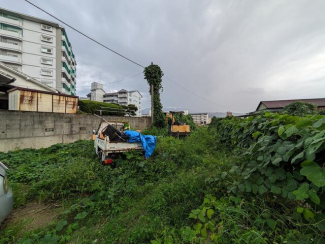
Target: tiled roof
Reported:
point(320, 102)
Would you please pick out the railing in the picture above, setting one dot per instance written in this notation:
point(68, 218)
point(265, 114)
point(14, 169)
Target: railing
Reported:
point(66, 67)
point(6, 58)
point(11, 21)
point(66, 37)
point(7, 45)
point(66, 87)
point(65, 79)
point(10, 33)
point(66, 47)
point(64, 59)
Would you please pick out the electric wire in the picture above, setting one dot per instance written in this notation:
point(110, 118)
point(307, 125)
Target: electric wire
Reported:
point(122, 57)
point(126, 78)
point(85, 35)
point(196, 94)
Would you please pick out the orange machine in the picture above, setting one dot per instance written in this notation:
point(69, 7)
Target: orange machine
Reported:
point(177, 129)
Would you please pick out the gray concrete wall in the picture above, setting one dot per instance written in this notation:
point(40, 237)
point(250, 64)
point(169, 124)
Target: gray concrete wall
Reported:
point(37, 130)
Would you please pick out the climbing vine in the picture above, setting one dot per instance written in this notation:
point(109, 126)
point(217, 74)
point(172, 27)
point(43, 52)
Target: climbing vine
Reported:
point(153, 75)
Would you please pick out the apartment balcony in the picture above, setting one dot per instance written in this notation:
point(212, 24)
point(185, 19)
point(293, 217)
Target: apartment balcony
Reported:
point(73, 74)
point(64, 59)
point(67, 42)
point(66, 72)
point(110, 101)
point(65, 39)
point(12, 34)
point(66, 50)
point(123, 101)
point(11, 21)
point(64, 81)
point(10, 59)
point(10, 46)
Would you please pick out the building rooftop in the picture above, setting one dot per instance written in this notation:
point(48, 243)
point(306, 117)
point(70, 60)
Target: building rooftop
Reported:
point(198, 113)
point(278, 104)
point(25, 76)
point(32, 18)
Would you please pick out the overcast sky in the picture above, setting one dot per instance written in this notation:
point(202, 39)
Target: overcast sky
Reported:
point(232, 53)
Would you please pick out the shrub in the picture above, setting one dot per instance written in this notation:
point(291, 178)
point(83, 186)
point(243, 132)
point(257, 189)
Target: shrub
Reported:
point(300, 108)
point(92, 107)
point(187, 119)
point(322, 112)
point(285, 159)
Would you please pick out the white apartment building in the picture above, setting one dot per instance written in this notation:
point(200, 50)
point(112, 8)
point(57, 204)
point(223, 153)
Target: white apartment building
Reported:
point(38, 48)
point(122, 97)
point(200, 118)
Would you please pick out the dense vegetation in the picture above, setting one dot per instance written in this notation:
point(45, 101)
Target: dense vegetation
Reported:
point(255, 180)
point(300, 108)
point(186, 119)
point(285, 164)
point(153, 74)
point(93, 107)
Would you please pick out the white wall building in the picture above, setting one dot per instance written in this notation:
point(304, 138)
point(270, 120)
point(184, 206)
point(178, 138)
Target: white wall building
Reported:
point(200, 118)
point(122, 97)
point(97, 92)
point(38, 48)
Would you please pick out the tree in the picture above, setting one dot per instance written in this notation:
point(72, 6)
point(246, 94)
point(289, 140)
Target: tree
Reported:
point(131, 109)
point(153, 75)
point(300, 108)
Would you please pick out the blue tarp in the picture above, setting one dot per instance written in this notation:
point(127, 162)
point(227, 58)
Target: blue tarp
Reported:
point(148, 142)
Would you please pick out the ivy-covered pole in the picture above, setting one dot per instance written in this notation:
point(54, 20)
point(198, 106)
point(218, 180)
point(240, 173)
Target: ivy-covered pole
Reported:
point(153, 75)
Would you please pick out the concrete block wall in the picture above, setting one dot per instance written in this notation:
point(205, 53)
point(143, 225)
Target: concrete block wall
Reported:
point(20, 130)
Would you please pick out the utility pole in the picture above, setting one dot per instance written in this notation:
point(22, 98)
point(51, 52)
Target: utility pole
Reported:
point(152, 101)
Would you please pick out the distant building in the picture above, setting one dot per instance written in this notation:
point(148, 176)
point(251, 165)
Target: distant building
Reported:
point(39, 48)
point(278, 105)
point(122, 97)
point(200, 118)
point(229, 114)
point(97, 92)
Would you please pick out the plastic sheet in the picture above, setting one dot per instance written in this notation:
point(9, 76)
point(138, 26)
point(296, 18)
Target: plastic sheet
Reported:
point(148, 141)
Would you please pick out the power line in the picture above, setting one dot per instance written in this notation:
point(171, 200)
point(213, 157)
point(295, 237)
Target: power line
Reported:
point(195, 93)
point(86, 35)
point(121, 55)
point(126, 78)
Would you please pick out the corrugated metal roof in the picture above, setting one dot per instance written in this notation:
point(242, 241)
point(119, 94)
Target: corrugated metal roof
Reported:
point(320, 102)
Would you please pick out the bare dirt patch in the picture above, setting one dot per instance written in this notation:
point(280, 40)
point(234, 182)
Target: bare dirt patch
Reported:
point(33, 216)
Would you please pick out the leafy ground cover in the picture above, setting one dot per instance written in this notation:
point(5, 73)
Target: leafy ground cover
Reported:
point(197, 190)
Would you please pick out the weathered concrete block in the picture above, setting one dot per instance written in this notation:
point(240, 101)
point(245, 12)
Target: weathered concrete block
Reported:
point(36, 130)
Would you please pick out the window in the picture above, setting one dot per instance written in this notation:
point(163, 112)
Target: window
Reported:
point(12, 42)
point(46, 72)
point(47, 61)
point(46, 38)
point(46, 27)
point(12, 55)
point(47, 50)
point(11, 28)
point(11, 17)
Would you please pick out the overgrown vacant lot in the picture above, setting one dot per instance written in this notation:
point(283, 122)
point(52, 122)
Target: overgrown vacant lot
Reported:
point(239, 181)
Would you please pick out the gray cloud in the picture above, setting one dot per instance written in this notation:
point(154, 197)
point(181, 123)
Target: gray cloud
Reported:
point(234, 53)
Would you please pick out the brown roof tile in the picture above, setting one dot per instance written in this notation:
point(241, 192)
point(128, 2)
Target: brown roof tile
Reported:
point(320, 102)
